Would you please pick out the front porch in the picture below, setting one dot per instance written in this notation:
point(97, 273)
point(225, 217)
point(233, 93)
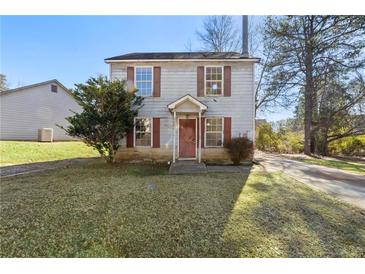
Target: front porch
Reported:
point(187, 128)
point(187, 167)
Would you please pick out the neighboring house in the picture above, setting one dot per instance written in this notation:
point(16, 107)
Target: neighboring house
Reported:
point(194, 101)
point(26, 109)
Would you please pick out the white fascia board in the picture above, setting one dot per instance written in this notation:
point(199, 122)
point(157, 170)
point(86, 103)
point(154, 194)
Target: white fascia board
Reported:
point(253, 60)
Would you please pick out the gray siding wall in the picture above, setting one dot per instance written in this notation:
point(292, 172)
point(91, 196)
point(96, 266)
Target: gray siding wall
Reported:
point(180, 78)
point(23, 112)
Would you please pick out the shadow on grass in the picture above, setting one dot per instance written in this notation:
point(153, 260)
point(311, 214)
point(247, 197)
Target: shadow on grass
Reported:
point(101, 210)
point(292, 220)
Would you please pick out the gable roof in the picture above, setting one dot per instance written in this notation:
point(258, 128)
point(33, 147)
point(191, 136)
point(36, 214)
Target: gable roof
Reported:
point(185, 98)
point(198, 55)
point(53, 81)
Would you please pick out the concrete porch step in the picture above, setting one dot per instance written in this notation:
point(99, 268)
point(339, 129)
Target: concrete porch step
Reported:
point(187, 167)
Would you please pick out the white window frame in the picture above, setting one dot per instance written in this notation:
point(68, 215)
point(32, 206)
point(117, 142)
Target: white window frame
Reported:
point(135, 79)
point(205, 82)
point(205, 131)
point(135, 131)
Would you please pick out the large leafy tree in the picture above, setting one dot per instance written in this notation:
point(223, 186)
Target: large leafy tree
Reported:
point(341, 112)
point(107, 116)
point(308, 51)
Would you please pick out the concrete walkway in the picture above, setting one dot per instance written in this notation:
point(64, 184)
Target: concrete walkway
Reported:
point(344, 185)
point(25, 169)
point(187, 167)
point(191, 167)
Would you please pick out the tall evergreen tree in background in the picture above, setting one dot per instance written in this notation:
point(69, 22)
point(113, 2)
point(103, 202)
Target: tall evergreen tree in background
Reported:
point(311, 51)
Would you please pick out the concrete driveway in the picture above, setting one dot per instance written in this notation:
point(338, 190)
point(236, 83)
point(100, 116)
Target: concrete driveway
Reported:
point(344, 185)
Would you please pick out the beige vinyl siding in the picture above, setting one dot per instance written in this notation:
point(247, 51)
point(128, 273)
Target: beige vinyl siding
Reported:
point(180, 78)
point(23, 112)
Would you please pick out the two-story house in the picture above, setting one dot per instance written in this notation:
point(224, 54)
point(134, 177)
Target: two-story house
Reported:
point(194, 101)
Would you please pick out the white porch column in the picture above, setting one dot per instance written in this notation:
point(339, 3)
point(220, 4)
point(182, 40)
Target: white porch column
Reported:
point(174, 139)
point(200, 137)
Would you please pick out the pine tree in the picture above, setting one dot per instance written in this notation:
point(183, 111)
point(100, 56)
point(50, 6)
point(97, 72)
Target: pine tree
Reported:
point(309, 50)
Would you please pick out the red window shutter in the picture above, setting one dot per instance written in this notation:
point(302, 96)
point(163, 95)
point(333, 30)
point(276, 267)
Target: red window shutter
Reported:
point(203, 130)
point(130, 138)
point(200, 81)
point(227, 81)
point(156, 132)
point(227, 128)
point(130, 79)
point(156, 81)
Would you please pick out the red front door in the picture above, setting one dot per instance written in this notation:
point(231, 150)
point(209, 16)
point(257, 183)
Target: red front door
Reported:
point(187, 140)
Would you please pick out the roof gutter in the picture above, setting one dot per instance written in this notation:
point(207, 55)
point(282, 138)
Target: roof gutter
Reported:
point(255, 60)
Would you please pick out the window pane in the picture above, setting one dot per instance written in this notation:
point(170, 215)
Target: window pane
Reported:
point(209, 76)
point(213, 80)
point(143, 132)
point(149, 76)
point(214, 124)
point(219, 76)
point(214, 139)
point(214, 132)
point(144, 81)
point(214, 76)
point(143, 139)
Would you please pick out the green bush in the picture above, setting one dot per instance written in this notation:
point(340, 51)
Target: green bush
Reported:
point(267, 139)
point(349, 146)
point(240, 148)
point(282, 142)
point(293, 142)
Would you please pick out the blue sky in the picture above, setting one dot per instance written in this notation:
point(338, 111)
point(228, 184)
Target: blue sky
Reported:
point(73, 48)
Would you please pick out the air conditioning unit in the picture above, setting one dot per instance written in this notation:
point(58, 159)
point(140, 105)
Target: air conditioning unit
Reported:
point(45, 134)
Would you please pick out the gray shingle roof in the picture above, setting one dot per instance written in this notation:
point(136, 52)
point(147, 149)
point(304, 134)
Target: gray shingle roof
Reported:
point(53, 81)
point(177, 55)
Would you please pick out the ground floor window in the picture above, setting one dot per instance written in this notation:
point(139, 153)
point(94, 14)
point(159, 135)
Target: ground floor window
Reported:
point(143, 132)
point(214, 132)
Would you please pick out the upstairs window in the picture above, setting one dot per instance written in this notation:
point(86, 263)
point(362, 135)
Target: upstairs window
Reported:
point(214, 132)
point(213, 81)
point(143, 133)
point(144, 81)
point(54, 88)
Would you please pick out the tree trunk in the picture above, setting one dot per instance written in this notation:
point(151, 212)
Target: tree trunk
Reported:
point(308, 92)
point(308, 108)
point(321, 143)
point(111, 153)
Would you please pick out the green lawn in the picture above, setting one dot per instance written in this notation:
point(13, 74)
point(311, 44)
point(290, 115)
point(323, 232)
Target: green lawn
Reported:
point(98, 210)
point(351, 166)
point(18, 152)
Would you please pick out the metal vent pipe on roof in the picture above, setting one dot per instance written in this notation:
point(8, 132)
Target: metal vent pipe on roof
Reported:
point(245, 36)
